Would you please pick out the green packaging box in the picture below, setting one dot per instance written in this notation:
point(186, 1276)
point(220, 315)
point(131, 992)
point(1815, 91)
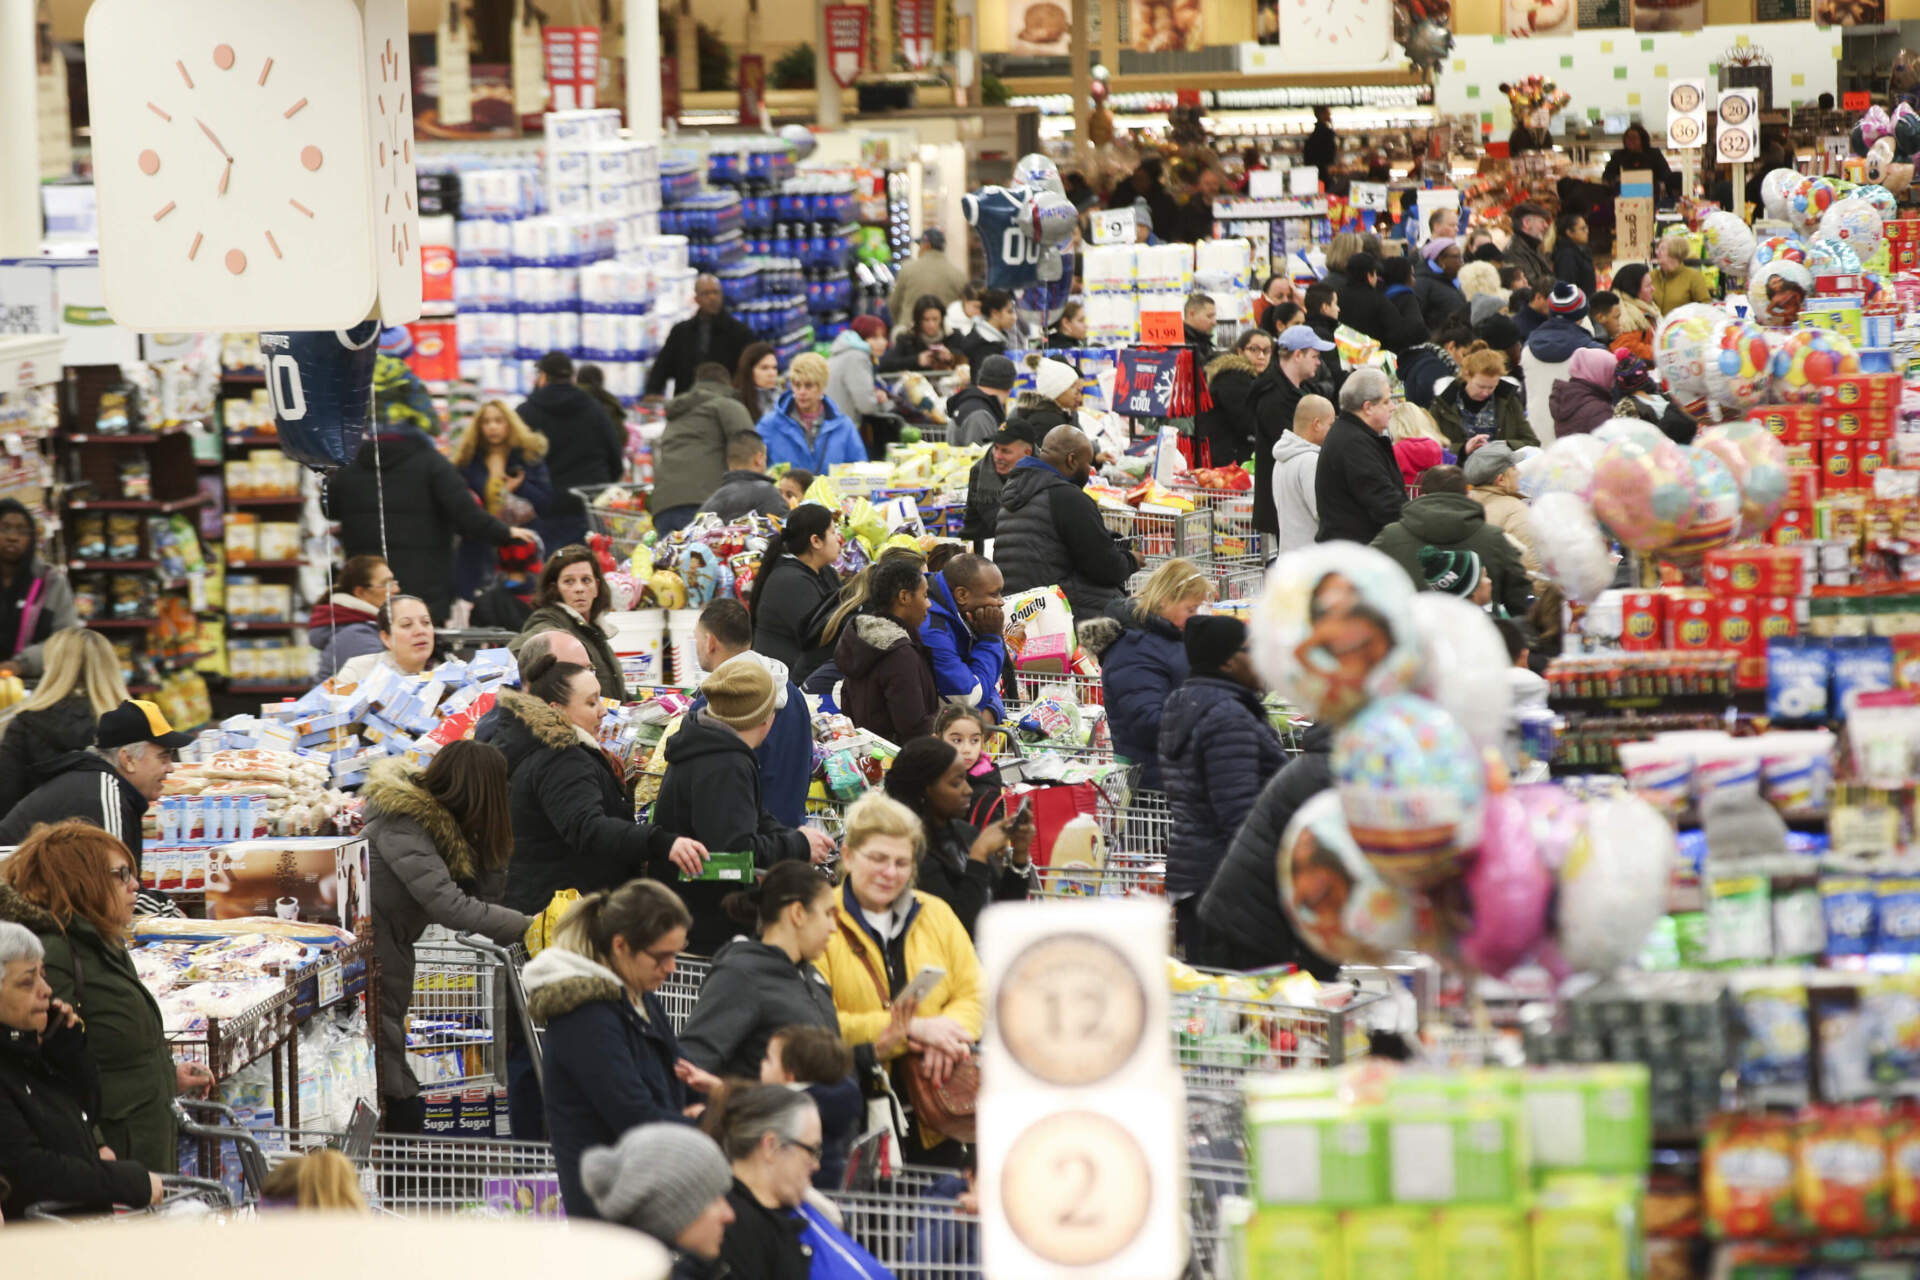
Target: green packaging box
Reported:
point(1591, 1119)
point(1317, 1153)
point(1486, 1242)
point(1587, 1231)
point(736, 868)
point(1388, 1244)
point(1472, 1152)
point(1300, 1244)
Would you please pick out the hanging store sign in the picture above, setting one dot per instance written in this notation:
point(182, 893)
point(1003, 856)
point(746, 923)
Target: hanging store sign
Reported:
point(846, 42)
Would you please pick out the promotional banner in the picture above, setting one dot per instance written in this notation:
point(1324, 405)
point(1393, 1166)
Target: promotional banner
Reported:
point(753, 86)
point(1160, 26)
point(846, 42)
point(573, 66)
point(1686, 113)
point(1039, 27)
point(913, 22)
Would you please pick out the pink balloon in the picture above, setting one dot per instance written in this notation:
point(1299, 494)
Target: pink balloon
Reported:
point(1509, 889)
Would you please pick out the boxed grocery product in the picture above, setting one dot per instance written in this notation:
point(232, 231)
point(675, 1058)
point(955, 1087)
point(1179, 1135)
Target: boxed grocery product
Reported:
point(1388, 1244)
point(1690, 624)
point(1755, 571)
point(316, 878)
point(1790, 423)
point(1838, 470)
point(1488, 1242)
point(1643, 620)
point(535, 1195)
point(1464, 1152)
point(1300, 1243)
point(1587, 1229)
point(1590, 1118)
point(1791, 527)
point(734, 867)
point(1321, 1153)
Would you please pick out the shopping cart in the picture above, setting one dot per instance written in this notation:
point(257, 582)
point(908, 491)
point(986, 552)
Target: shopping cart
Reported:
point(460, 1001)
point(177, 1191)
point(1220, 1040)
point(1162, 535)
point(681, 991)
point(1084, 689)
point(618, 512)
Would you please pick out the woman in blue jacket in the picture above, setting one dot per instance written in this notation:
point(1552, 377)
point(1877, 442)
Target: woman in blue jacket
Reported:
point(611, 1059)
point(502, 460)
point(1147, 662)
point(805, 428)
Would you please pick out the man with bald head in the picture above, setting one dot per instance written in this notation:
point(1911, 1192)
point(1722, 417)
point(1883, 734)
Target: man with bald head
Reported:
point(1050, 532)
point(712, 335)
point(563, 645)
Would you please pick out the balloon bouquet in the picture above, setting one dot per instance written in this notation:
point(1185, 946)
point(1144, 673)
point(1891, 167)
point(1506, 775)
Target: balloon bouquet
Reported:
point(1024, 229)
point(1422, 843)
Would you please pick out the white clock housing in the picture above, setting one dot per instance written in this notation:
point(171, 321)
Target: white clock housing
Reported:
point(1337, 35)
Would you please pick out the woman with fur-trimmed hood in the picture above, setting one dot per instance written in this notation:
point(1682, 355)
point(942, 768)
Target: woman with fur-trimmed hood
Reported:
point(440, 840)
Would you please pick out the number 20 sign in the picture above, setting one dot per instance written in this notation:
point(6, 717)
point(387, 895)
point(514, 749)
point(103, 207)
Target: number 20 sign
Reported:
point(1082, 1121)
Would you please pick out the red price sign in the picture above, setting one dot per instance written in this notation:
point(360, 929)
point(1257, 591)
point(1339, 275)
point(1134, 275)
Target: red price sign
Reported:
point(846, 42)
point(1161, 329)
point(1855, 101)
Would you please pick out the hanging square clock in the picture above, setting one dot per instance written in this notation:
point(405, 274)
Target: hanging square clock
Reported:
point(237, 161)
point(1337, 35)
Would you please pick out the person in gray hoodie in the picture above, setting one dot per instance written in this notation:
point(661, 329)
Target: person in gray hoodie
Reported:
point(1296, 456)
point(851, 362)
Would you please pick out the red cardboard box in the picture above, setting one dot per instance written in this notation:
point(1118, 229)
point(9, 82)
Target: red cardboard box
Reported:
point(436, 272)
point(1691, 625)
point(1733, 623)
point(1857, 422)
point(1790, 423)
point(1793, 526)
point(1754, 571)
point(1838, 472)
point(1869, 457)
point(1776, 619)
point(436, 350)
point(1643, 621)
point(1803, 485)
point(1861, 390)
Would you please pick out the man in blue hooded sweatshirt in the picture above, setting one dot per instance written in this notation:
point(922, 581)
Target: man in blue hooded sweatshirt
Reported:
point(965, 632)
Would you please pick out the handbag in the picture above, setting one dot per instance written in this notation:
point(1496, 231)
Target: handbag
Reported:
point(948, 1107)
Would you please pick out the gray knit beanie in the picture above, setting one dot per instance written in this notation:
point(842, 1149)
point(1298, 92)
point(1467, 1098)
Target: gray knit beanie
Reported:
point(658, 1178)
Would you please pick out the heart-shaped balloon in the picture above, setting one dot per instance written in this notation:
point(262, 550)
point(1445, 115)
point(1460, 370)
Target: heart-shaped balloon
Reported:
point(1508, 889)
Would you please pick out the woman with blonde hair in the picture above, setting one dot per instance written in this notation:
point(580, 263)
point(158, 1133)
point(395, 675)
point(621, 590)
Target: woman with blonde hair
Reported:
point(1480, 279)
point(1417, 443)
point(81, 683)
point(1148, 660)
point(503, 461)
point(885, 932)
point(1340, 251)
point(805, 428)
point(320, 1179)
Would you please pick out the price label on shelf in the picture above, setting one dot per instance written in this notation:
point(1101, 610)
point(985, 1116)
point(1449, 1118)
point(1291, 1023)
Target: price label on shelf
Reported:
point(1161, 329)
point(1370, 195)
point(327, 986)
point(1113, 226)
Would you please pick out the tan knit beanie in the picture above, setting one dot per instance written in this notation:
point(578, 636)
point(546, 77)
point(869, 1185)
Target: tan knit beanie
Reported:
point(740, 694)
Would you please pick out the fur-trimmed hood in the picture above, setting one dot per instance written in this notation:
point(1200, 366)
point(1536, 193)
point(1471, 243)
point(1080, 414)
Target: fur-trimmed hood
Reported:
point(15, 909)
point(527, 723)
point(393, 790)
point(559, 981)
point(1231, 361)
point(870, 637)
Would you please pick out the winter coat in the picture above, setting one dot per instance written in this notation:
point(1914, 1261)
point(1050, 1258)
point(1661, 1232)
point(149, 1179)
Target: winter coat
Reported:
point(1549, 350)
point(1438, 296)
point(80, 785)
point(1216, 752)
point(793, 605)
point(1332, 372)
point(886, 678)
point(559, 616)
point(36, 744)
point(1523, 251)
point(572, 815)
point(609, 1065)
point(49, 1098)
point(855, 957)
point(1410, 324)
point(1674, 422)
point(424, 872)
point(763, 1243)
point(752, 991)
point(743, 493)
point(837, 440)
point(680, 357)
point(53, 611)
point(1244, 900)
point(946, 871)
point(1050, 532)
point(342, 628)
point(1511, 515)
point(983, 502)
point(1579, 407)
point(690, 458)
point(850, 371)
point(583, 448)
point(475, 561)
point(966, 666)
point(1147, 662)
point(1364, 307)
point(1509, 414)
point(1675, 290)
point(125, 1033)
point(1455, 522)
point(973, 416)
point(928, 271)
point(1228, 428)
point(1273, 400)
point(977, 342)
point(903, 355)
point(1422, 368)
point(1573, 264)
point(1039, 416)
point(1290, 490)
point(786, 757)
point(1356, 487)
point(712, 792)
point(428, 504)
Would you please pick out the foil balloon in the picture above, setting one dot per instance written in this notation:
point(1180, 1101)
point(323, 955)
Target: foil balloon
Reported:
point(1808, 202)
point(1776, 187)
point(1758, 463)
point(1572, 549)
point(1881, 157)
point(1508, 889)
point(800, 138)
point(1906, 130)
point(1465, 672)
point(1777, 291)
point(1874, 125)
point(1729, 241)
point(1808, 358)
point(331, 380)
point(1737, 362)
point(1053, 218)
point(1884, 202)
point(1612, 884)
point(1334, 628)
point(1716, 508)
point(1643, 491)
point(1680, 348)
point(1413, 788)
point(1039, 173)
point(1626, 429)
point(1832, 258)
point(1566, 466)
point(1855, 223)
point(1335, 900)
point(1773, 248)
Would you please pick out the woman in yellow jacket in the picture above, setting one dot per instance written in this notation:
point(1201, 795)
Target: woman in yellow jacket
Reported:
point(885, 931)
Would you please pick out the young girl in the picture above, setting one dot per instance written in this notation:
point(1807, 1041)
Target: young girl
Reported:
point(965, 730)
point(817, 1060)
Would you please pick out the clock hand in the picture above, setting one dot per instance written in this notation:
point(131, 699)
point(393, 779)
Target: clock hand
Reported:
point(224, 175)
point(215, 141)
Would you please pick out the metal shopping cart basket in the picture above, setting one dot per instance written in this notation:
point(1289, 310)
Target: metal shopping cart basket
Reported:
point(618, 511)
point(177, 1192)
point(1162, 535)
point(1220, 1039)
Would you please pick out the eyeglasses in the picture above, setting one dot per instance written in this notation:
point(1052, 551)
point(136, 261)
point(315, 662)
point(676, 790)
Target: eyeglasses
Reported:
point(664, 955)
point(126, 875)
point(813, 1149)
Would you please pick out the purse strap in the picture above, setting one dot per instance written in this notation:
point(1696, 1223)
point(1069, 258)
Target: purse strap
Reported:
point(859, 946)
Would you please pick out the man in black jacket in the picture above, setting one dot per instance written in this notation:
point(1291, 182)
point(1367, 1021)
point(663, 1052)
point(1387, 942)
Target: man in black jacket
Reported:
point(1357, 485)
point(1433, 282)
point(1275, 396)
point(710, 335)
point(1364, 307)
point(1322, 148)
point(1012, 442)
point(1050, 532)
point(583, 448)
point(110, 784)
point(1530, 223)
point(1322, 302)
point(1242, 906)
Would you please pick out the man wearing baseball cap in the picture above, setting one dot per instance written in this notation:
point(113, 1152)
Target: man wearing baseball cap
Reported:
point(111, 783)
point(929, 271)
point(1012, 442)
point(1275, 398)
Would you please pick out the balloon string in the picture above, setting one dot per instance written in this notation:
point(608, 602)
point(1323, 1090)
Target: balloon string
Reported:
point(379, 474)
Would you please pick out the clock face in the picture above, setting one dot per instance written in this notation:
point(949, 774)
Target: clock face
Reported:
point(1337, 33)
point(1071, 1009)
point(1076, 1188)
point(230, 159)
point(396, 219)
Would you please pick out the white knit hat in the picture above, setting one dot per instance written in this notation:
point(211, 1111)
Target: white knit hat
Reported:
point(1051, 378)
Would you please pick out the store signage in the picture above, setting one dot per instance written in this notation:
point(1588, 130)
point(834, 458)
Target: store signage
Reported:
point(1855, 101)
point(1371, 196)
point(573, 66)
point(1686, 114)
point(1114, 226)
point(752, 80)
point(1633, 227)
point(1161, 329)
point(846, 42)
point(913, 23)
point(1738, 140)
point(1303, 180)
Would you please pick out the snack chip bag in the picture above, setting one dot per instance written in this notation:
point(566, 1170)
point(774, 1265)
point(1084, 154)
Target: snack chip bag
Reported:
point(825, 492)
point(1903, 1169)
point(1841, 1170)
point(1747, 1178)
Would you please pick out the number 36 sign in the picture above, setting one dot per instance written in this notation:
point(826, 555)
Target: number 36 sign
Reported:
point(322, 389)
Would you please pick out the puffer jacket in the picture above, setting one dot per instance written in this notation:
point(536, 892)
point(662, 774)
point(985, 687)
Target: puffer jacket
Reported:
point(1548, 352)
point(1147, 662)
point(1579, 407)
point(1216, 753)
point(983, 502)
point(1244, 900)
point(743, 493)
point(424, 872)
point(1423, 368)
point(886, 678)
point(1439, 297)
point(1228, 427)
point(850, 376)
point(36, 744)
point(1050, 532)
point(1455, 522)
point(786, 626)
point(837, 440)
point(342, 628)
point(609, 1065)
point(572, 815)
point(125, 1033)
point(966, 665)
point(49, 1098)
point(584, 447)
point(1509, 414)
point(752, 991)
point(691, 455)
point(564, 617)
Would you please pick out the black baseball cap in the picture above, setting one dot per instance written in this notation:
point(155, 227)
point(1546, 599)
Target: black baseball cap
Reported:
point(1016, 430)
point(137, 720)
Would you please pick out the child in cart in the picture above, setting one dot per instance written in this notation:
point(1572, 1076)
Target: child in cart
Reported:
point(964, 729)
